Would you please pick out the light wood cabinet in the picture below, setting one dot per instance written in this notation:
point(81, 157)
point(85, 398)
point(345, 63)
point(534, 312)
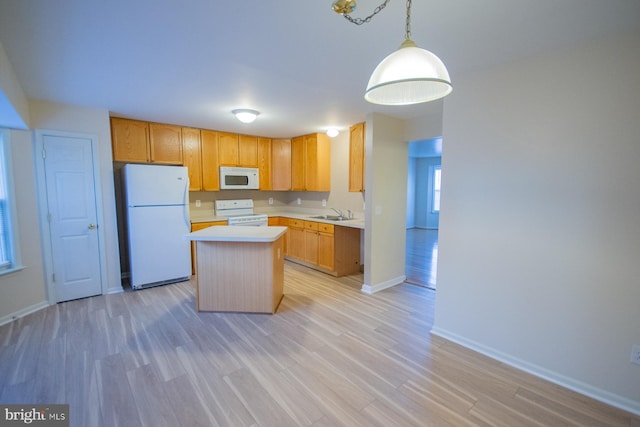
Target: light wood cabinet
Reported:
point(325, 247)
point(356, 158)
point(311, 242)
point(317, 162)
point(298, 155)
point(281, 164)
point(228, 149)
point(130, 140)
point(296, 240)
point(311, 163)
point(264, 163)
point(134, 141)
point(248, 151)
point(210, 163)
point(165, 142)
point(191, 155)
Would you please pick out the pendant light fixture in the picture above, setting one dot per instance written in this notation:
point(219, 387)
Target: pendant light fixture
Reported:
point(410, 75)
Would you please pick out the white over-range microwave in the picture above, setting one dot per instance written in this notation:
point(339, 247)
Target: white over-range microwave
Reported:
point(234, 178)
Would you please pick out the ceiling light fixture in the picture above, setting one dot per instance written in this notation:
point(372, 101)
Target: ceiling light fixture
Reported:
point(332, 133)
point(246, 116)
point(410, 75)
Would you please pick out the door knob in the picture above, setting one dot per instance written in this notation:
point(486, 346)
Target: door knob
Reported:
point(92, 226)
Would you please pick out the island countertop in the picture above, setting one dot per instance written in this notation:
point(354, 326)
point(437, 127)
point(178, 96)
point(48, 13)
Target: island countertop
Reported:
point(225, 233)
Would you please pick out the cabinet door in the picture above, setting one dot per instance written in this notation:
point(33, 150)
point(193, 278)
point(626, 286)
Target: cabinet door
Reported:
point(317, 162)
point(248, 151)
point(311, 246)
point(325, 250)
point(165, 142)
point(130, 140)
point(192, 157)
point(210, 165)
point(264, 163)
point(296, 243)
point(298, 156)
point(228, 149)
point(281, 164)
point(356, 158)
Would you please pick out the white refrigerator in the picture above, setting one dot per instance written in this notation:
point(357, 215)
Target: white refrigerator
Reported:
point(157, 222)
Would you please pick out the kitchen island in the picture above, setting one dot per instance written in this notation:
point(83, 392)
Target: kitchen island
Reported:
point(239, 269)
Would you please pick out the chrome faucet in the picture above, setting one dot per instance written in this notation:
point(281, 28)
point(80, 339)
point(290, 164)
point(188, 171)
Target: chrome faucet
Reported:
point(339, 212)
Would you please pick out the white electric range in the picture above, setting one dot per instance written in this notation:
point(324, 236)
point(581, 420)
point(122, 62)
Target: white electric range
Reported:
point(240, 212)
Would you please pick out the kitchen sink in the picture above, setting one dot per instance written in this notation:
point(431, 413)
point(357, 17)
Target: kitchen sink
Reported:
point(331, 217)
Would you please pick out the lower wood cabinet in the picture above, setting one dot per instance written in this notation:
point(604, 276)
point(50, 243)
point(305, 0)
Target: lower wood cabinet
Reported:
point(326, 247)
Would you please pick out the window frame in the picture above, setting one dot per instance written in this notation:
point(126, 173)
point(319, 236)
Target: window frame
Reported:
point(435, 190)
point(13, 236)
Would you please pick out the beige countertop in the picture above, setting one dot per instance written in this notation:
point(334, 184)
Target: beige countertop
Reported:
point(209, 216)
point(237, 234)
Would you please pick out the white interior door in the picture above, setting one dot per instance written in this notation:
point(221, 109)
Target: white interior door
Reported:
point(72, 216)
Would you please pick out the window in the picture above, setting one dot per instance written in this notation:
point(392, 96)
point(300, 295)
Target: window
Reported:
point(8, 258)
point(437, 172)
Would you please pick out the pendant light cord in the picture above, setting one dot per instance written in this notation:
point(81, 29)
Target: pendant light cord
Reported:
point(359, 21)
point(407, 35)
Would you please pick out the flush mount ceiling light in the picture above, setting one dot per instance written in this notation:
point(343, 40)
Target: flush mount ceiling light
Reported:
point(332, 133)
point(246, 116)
point(410, 75)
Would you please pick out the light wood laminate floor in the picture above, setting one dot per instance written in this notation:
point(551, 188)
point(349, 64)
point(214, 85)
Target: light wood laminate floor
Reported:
point(331, 356)
point(421, 257)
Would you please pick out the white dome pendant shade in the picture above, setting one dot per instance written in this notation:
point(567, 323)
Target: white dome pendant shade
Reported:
point(410, 75)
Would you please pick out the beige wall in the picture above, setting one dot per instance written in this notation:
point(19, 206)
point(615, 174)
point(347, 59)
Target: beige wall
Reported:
point(24, 291)
point(14, 107)
point(539, 227)
point(387, 156)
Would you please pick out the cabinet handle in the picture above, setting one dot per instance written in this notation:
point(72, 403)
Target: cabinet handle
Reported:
point(92, 226)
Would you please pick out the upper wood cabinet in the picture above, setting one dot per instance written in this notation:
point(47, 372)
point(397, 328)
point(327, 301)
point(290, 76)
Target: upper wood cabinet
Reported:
point(228, 149)
point(237, 150)
point(298, 155)
point(210, 161)
point(248, 151)
point(135, 141)
point(264, 163)
point(311, 163)
point(192, 157)
point(281, 164)
point(130, 140)
point(317, 162)
point(165, 142)
point(356, 157)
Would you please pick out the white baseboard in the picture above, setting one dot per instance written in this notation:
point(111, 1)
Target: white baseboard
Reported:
point(554, 377)
point(370, 289)
point(114, 290)
point(21, 313)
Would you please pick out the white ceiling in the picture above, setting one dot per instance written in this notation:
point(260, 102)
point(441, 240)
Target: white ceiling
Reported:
point(301, 65)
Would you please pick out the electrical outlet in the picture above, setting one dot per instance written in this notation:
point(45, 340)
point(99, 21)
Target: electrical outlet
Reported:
point(324, 203)
point(270, 200)
point(198, 203)
point(299, 201)
point(635, 354)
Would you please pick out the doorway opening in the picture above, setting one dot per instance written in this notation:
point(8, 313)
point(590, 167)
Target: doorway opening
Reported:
point(423, 211)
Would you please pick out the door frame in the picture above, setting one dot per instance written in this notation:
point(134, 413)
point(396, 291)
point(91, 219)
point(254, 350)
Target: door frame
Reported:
point(41, 190)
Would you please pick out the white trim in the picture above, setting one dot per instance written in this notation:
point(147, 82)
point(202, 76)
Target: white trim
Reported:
point(371, 289)
point(42, 208)
point(554, 377)
point(21, 313)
